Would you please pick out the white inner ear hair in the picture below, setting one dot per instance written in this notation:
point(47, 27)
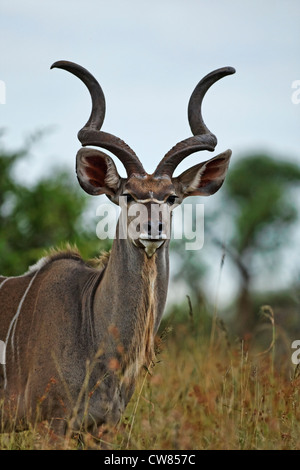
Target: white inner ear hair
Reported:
point(112, 178)
point(194, 184)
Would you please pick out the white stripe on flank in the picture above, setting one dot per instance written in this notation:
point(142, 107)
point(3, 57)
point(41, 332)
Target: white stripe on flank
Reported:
point(5, 280)
point(38, 265)
point(35, 267)
point(13, 324)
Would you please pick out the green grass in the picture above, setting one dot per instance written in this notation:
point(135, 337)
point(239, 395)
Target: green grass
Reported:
point(200, 395)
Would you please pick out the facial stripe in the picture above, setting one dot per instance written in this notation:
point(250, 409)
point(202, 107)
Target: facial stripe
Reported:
point(144, 201)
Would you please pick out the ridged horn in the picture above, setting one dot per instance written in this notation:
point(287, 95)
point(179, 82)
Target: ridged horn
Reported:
point(90, 133)
point(203, 139)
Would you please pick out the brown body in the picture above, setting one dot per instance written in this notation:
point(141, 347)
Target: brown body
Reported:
point(59, 350)
point(77, 336)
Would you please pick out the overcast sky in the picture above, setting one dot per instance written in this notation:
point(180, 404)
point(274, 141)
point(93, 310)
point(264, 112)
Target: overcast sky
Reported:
point(148, 56)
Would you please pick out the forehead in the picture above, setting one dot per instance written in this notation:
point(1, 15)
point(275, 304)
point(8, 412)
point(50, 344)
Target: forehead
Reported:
point(149, 187)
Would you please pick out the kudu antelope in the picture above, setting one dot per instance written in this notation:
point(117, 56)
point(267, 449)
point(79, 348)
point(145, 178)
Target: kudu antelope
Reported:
point(77, 336)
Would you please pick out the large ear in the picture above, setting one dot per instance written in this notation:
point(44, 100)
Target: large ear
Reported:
point(96, 172)
point(205, 178)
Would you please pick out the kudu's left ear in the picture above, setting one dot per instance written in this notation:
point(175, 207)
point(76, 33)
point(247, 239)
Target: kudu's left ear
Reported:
point(205, 178)
point(96, 172)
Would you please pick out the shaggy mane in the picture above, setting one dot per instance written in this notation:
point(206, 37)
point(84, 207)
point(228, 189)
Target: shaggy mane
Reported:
point(70, 252)
point(101, 261)
point(66, 252)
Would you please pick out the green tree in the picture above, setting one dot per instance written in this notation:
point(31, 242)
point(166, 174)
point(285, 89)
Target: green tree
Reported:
point(36, 217)
point(259, 197)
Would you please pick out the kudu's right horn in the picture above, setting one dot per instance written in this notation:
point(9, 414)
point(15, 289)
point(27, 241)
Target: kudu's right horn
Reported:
point(90, 134)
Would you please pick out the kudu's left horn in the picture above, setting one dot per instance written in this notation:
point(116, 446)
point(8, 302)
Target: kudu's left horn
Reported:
point(203, 139)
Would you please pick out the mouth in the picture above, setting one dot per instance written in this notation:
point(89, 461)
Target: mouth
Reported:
point(150, 245)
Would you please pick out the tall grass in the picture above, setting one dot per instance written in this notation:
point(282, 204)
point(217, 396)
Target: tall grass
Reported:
point(200, 395)
point(224, 399)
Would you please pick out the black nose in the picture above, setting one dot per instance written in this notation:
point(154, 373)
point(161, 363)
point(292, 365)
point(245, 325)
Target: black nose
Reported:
point(154, 230)
point(160, 228)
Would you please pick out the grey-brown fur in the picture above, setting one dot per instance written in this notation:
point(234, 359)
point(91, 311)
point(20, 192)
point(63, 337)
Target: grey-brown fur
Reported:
point(59, 340)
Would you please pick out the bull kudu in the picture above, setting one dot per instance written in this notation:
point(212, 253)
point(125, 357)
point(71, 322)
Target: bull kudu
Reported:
point(76, 336)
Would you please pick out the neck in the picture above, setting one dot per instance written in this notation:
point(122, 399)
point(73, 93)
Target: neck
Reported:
point(130, 300)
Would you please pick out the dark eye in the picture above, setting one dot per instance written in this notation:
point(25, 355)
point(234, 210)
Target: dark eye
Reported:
point(171, 200)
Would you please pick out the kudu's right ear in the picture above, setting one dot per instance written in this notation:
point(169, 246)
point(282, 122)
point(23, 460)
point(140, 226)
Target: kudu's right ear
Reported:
point(96, 172)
